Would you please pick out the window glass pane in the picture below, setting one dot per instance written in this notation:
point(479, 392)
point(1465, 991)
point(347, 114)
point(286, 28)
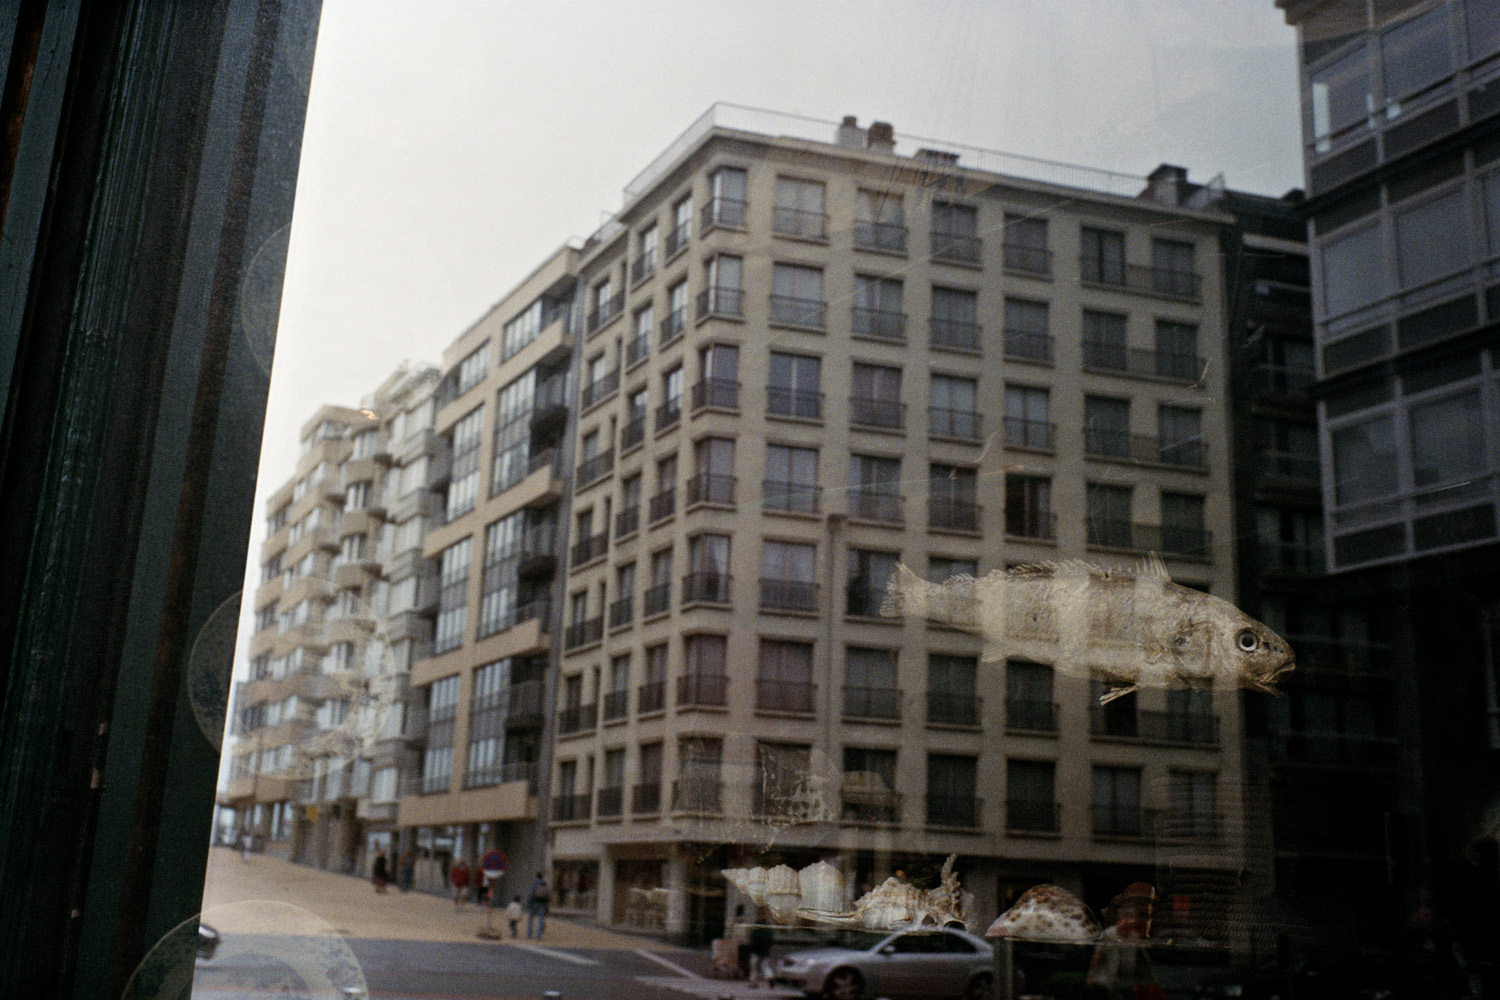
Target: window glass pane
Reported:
point(1432, 239)
point(1352, 269)
point(1416, 54)
point(1447, 440)
point(1341, 95)
point(1364, 461)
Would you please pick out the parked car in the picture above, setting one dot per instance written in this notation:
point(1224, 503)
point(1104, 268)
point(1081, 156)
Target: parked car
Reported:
point(208, 942)
point(919, 963)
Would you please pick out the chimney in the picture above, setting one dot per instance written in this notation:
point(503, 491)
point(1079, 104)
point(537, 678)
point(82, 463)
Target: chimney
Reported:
point(850, 135)
point(1167, 184)
point(881, 137)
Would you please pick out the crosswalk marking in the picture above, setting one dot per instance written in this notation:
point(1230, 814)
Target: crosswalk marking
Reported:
point(554, 953)
point(712, 989)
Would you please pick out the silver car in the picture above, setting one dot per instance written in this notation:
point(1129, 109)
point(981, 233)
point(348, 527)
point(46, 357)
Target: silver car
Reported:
point(920, 963)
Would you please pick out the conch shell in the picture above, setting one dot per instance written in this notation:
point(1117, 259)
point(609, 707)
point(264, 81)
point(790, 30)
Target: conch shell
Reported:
point(783, 893)
point(822, 887)
point(816, 894)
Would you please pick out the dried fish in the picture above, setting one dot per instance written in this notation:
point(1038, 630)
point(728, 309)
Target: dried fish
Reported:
point(1135, 629)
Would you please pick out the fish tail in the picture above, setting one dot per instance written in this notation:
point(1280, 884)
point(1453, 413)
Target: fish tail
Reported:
point(906, 593)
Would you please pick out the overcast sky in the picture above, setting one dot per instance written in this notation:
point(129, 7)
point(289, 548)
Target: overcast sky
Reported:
point(452, 144)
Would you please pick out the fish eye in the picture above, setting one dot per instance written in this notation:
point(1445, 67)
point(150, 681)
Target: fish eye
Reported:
point(1247, 640)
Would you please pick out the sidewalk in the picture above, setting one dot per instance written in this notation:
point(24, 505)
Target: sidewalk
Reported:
point(355, 910)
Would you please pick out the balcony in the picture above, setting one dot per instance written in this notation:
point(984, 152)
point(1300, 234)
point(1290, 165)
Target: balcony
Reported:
point(651, 697)
point(1173, 366)
point(662, 506)
point(799, 222)
point(1168, 282)
point(538, 555)
point(540, 610)
point(718, 393)
point(705, 588)
point(1032, 260)
point(702, 690)
point(576, 719)
point(953, 334)
point(791, 311)
point(887, 236)
point(645, 798)
point(871, 702)
point(633, 433)
point(588, 549)
point(701, 796)
point(1281, 380)
point(622, 612)
point(1031, 816)
point(599, 389)
point(1189, 824)
point(877, 804)
point(782, 402)
point(616, 705)
point(788, 595)
point(948, 514)
point(1102, 442)
point(524, 707)
point(1187, 542)
point(870, 504)
point(642, 267)
point(956, 248)
point(583, 633)
point(677, 239)
point(592, 469)
point(710, 488)
point(609, 801)
point(546, 458)
point(721, 301)
point(668, 415)
point(628, 521)
point(879, 324)
point(637, 349)
point(603, 313)
point(673, 326)
point(570, 808)
point(656, 600)
point(960, 425)
point(1195, 728)
point(797, 498)
point(501, 774)
point(865, 411)
point(723, 212)
point(1120, 821)
point(953, 810)
point(1026, 345)
point(784, 696)
point(948, 708)
point(1031, 716)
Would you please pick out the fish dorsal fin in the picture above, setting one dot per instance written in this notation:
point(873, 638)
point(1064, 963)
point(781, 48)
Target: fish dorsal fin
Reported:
point(1066, 567)
point(1152, 568)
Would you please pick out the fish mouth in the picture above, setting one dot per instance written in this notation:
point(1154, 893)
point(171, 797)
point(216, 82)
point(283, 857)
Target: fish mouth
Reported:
point(1267, 682)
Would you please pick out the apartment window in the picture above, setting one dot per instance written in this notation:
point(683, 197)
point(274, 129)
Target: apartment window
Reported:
point(1028, 333)
point(522, 330)
point(472, 369)
point(791, 482)
point(1031, 795)
point(1193, 796)
point(877, 396)
point(875, 488)
point(1180, 435)
point(955, 232)
point(1177, 351)
point(785, 680)
point(1028, 696)
point(453, 597)
point(611, 794)
point(670, 410)
point(675, 322)
point(628, 520)
point(1291, 540)
point(877, 308)
point(705, 681)
point(951, 781)
point(1104, 341)
point(1172, 268)
point(1182, 524)
point(1483, 21)
point(786, 576)
point(954, 412)
point(951, 492)
point(708, 570)
point(951, 690)
point(1341, 97)
point(657, 598)
point(1028, 506)
point(645, 798)
point(723, 294)
point(869, 572)
point(500, 584)
point(781, 780)
point(566, 804)
point(726, 206)
point(437, 757)
point(720, 387)
point(644, 264)
point(793, 388)
point(1028, 418)
point(653, 694)
point(1414, 55)
point(357, 496)
point(638, 348)
point(665, 501)
point(682, 222)
point(1103, 256)
point(1117, 801)
point(616, 701)
point(1364, 461)
point(605, 304)
point(1353, 274)
point(487, 709)
point(713, 472)
point(1447, 440)
point(1109, 514)
point(943, 568)
point(622, 611)
point(955, 318)
point(799, 209)
point(1432, 239)
point(634, 430)
point(879, 222)
point(518, 400)
point(797, 295)
point(1106, 426)
point(1026, 244)
point(599, 380)
point(869, 786)
point(1190, 716)
point(870, 690)
point(352, 548)
point(463, 489)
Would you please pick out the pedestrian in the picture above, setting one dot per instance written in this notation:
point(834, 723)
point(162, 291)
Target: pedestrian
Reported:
point(491, 871)
point(1121, 967)
point(245, 841)
point(459, 876)
point(536, 906)
point(513, 914)
point(380, 872)
point(740, 934)
point(762, 938)
point(407, 873)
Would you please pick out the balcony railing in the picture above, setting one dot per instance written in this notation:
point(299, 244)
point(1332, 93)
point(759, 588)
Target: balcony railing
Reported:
point(871, 702)
point(870, 412)
point(874, 505)
point(881, 324)
point(861, 806)
point(1155, 280)
point(1287, 465)
point(705, 588)
point(1195, 543)
point(668, 414)
point(576, 718)
point(888, 236)
point(952, 514)
point(662, 505)
point(956, 247)
point(1120, 821)
point(538, 548)
point(1036, 435)
point(551, 393)
point(637, 349)
point(794, 403)
point(729, 212)
point(590, 548)
point(1031, 815)
point(698, 795)
point(656, 600)
point(861, 598)
point(1179, 727)
point(784, 696)
point(599, 388)
point(1027, 345)
point(1109, 443)
point(622, 611)
point(543, 459)
point(645, 798)
point(1025, 522)
point(720, 393)
point(1032, 716)
point(710, 487)
point(711, 690)
point(953, 810)
point(1290, 557)
point(628, 521)
point(788, 595)
point(583, 633)
point(673, 326)
point(721, 301)
point(954, 334)
point(633, 433)
point(651, 697)
point(1281, 380)
point(570, 808)
point(591, 469)
point(799, 222)
point(541, 610)
point(798, 312)
point(609, 801)
point(1189, 824)
point(604, 312)
point(1034, 260)
point(1176, 366)
point(961, 425)
point(500, 774)
point(677, 238)
point(801, 498)
point(616, 705)
point(643, 267)
point(948, 708)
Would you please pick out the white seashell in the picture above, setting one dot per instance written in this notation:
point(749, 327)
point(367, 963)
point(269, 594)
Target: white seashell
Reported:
point(783, 894)
point(754, 885)
point(822, 887)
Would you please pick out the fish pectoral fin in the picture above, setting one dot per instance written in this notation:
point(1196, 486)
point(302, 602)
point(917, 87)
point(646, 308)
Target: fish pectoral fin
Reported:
point(1117, 692)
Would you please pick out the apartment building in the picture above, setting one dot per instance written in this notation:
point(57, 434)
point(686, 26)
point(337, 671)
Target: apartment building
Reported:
point(809, 354)
point(318, 724)
point(1401, 133)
